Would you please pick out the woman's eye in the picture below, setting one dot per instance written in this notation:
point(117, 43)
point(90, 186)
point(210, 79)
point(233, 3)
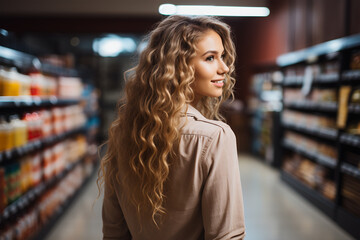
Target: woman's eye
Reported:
point(210, 58)
point(222, 56)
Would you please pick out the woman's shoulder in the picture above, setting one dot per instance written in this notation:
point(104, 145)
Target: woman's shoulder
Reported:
point(206, 127)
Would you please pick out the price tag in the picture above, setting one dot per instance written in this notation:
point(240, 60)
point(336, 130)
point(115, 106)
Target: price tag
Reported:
point(308, 79)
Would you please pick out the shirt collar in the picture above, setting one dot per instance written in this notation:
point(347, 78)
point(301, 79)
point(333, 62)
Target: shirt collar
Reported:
point(193, 112)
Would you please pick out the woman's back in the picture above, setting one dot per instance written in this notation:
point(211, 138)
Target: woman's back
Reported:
point(203, 191)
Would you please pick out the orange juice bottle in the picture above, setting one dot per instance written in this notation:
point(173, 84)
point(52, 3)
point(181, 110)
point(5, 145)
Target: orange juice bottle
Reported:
point(11, 83)
point(6, 135)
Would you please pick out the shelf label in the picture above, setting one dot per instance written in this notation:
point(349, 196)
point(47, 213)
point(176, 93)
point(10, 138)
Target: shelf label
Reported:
point(308, 79)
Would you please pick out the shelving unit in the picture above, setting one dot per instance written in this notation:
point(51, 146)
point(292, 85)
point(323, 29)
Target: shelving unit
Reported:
point(265, 107)
point(321, 86)
point(80, 128)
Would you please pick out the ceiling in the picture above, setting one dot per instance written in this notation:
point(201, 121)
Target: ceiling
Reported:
point(104, 7)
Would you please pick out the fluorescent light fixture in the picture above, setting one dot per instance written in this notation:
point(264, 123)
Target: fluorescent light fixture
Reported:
point(113, 45)
point(209, 10)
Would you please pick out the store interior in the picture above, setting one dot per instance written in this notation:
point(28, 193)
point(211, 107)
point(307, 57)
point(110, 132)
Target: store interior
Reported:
point(296, 112)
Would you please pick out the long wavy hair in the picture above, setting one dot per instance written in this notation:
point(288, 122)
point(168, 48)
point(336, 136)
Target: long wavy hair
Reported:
point(143, 140)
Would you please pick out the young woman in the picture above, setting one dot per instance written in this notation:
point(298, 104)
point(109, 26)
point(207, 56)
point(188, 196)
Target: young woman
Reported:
point(171, 167)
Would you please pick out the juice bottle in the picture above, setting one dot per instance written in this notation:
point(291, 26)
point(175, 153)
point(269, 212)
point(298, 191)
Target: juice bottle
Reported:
point(11, 85)
point(30, 126)
point(25, 85)
point(6, 135)
point(18, 127)
point(35, 85)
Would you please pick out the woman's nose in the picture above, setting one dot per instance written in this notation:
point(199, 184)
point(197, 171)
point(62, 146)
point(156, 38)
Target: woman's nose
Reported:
point(223, 68)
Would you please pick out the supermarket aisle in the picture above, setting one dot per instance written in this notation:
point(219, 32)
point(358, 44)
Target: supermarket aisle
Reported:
point(273, 211)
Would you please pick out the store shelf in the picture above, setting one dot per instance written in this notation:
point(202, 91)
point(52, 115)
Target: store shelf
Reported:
point(27, 101)
point(350, 170)
point(354, 108)
point(327, 206)
point(29, 197)
point(350, 139)
point(313, 106)
point(350, 76)
point(327, 133)
point(18, 59)
point(25, 61)
point(58, 71)
point(348, 221)
point(8, 156)
point(317, 50)
point(319, 158)
point(322, 79)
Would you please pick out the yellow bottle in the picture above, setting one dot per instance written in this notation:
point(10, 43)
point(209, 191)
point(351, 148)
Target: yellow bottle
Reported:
point(6, 135)
point(11, 86)
point(18, 128)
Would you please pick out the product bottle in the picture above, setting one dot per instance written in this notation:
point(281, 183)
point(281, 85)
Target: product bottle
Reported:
point(12, 83)
point(6, 135)
point(18, 130)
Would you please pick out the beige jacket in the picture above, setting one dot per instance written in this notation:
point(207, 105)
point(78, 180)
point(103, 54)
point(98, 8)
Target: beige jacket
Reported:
point(203, 192)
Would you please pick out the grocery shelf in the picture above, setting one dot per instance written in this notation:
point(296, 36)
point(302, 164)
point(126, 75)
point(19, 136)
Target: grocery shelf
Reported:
point(317, 157)
point(327, 133)
point(9, 155)
point(350, 170)
point(31, 101)
point(350, 76)
point(348, 221)
point(325, 205)
point(321, 79)
point(317, 50)
point(26, 61)
point(19, 59)
point(313, 106)
point(30, 196)
point(340, 60)
point(350, 139)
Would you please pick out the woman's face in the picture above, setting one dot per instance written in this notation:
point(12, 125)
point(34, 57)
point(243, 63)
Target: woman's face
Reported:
point(209, 66)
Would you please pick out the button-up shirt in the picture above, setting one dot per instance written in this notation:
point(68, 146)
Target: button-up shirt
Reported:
point(203, 190)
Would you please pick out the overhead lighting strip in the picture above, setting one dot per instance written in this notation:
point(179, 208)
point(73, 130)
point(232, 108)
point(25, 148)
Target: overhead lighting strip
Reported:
point(210, 10)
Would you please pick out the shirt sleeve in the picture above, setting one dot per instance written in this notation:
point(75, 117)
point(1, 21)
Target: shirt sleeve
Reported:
point(114, 224)
point(222, 201)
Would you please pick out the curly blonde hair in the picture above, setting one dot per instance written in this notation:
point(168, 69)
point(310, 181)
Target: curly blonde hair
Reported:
point(143, 140)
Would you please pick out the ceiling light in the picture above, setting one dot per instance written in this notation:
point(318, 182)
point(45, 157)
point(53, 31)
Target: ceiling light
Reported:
point(209, 10)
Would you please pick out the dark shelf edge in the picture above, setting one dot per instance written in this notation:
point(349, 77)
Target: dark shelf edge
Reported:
point(6, 156)
point(308, 155)
point(315, 107)
point(21, 102)
point(311, 195)
point(306, 130)
point(348, 221)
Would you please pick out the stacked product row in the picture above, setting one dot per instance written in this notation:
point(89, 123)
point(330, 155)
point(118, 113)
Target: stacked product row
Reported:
point(30, 126)
point(46, 150)
point(13, 83)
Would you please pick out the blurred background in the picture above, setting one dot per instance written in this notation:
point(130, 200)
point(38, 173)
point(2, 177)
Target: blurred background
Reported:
point(296, 113)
